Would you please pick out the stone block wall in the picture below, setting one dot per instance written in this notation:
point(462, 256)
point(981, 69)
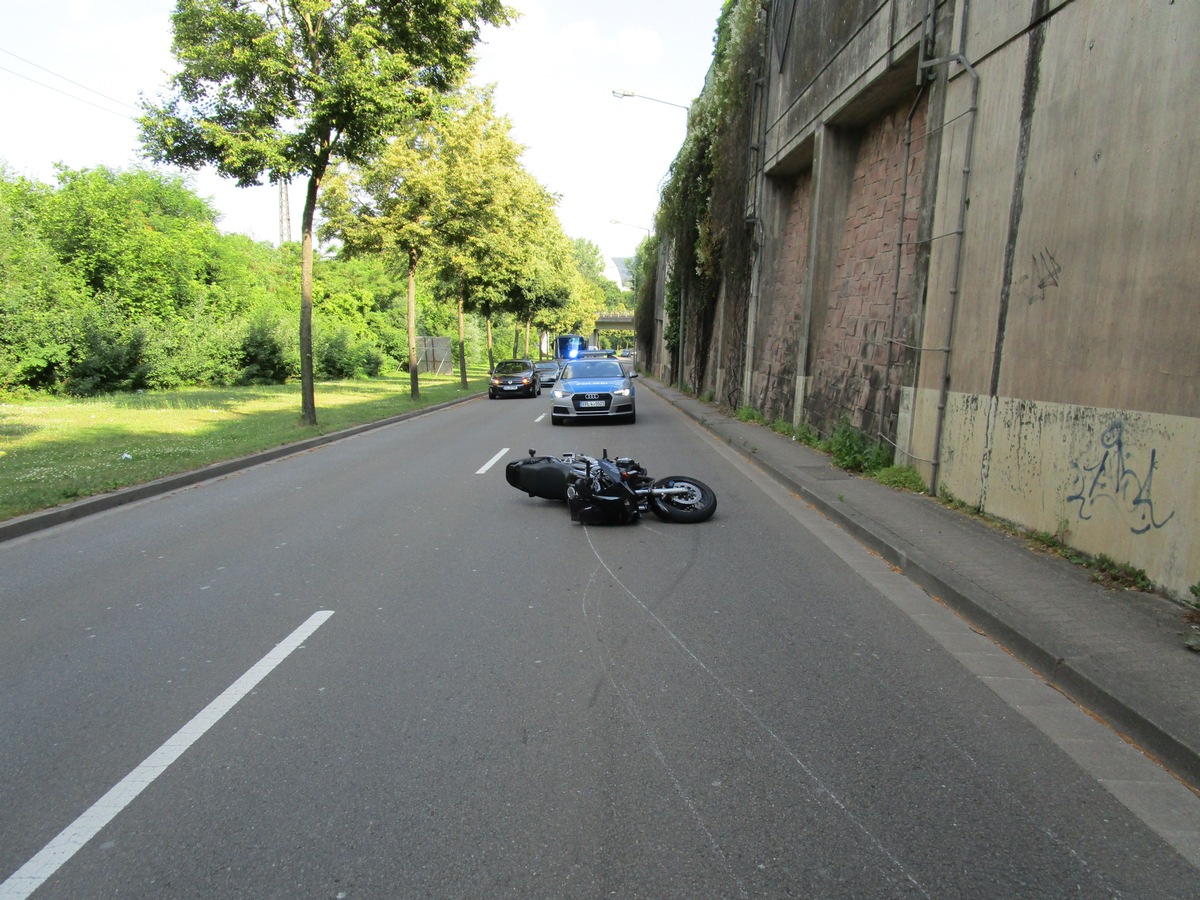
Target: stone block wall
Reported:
point(779, 329)
point(856, 368)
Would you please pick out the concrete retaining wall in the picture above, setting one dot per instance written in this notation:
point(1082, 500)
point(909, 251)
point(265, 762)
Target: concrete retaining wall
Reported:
point(1045, 347)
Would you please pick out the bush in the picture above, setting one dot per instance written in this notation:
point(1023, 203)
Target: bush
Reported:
point(262, 358)
point(202, 349)
point(371, 361)
point(853, 452)
point(41, 366)
point(807, 435)
point(340, 355)
point(333, 356)
point(111, 361)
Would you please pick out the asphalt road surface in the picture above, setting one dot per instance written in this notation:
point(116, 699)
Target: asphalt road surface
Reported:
point(376, 670)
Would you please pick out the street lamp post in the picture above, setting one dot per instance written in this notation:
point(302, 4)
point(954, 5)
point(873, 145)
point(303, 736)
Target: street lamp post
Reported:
point(629, 225)
point(633, 271)
point(621, 94)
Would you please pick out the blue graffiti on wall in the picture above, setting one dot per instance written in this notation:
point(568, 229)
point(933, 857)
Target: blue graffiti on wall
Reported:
point(1112, 479)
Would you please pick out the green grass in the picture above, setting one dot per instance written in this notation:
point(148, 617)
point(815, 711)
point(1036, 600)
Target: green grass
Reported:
point(54, 449)
point(750, 415)
point(850, 448)
point(904, 478)
point(1109, 571)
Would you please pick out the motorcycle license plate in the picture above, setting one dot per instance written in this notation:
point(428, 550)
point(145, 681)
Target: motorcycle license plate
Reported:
point(591, 403)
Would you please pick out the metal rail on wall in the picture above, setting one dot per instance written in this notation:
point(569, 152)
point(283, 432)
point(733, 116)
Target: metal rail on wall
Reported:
point(900, 245)
point(924, 65)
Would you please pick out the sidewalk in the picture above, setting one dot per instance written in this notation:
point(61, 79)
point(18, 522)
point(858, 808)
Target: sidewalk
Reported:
point(1119, 654)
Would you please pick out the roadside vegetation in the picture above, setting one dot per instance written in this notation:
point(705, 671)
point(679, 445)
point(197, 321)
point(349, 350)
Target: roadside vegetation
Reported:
point(137, 340)
point(420, 220)
point(849, 448)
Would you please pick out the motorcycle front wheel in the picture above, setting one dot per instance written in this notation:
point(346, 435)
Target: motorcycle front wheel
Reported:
point(696, 504)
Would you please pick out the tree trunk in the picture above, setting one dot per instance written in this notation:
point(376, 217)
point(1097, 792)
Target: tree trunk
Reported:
point(412, 326)
point(487, 315)
point(516, 340)
point(527, 339)
point(308, 401)
point(462, 342)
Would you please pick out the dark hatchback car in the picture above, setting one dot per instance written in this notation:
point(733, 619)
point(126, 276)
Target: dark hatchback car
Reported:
point(514, 377)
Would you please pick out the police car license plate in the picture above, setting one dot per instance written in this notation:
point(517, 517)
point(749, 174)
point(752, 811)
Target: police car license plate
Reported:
point(591, 403)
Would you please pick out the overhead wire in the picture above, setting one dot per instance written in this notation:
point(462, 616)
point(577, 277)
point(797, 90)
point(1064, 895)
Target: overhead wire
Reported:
point(69, 81)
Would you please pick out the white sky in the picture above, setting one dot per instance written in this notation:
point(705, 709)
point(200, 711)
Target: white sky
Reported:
point(555, 71)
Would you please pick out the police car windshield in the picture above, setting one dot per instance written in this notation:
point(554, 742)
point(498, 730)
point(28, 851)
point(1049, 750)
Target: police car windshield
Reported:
point(593, 368)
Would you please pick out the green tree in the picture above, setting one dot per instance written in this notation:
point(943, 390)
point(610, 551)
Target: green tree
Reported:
point(142, 238)
point(602, 294)
point(362, 297)
point(431, 187)
point(589, 259)
point(520, 266)
point(544, 279)
point(452, 188)
point(41, 300)
point(281, 88)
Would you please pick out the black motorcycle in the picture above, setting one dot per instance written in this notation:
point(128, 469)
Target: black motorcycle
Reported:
point(610, 491)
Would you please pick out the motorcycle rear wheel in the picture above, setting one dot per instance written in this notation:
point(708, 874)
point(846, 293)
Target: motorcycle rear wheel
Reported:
point(695, 506)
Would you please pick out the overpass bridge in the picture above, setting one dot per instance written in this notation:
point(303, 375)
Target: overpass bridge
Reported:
point(610, 322)
point(604, 322)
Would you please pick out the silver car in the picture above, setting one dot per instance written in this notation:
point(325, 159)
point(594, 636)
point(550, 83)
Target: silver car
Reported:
point(593, 388)
point(548, 369)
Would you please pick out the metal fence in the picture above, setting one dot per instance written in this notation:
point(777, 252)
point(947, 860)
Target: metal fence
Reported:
point(434, 355)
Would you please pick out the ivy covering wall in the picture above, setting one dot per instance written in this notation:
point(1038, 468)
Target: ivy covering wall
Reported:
point(705, 216)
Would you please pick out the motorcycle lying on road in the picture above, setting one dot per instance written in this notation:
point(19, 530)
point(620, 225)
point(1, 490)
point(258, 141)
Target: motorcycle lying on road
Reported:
point(610, 491)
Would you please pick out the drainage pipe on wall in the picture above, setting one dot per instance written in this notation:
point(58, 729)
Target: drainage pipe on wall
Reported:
point(960, 230)
point(887, 376)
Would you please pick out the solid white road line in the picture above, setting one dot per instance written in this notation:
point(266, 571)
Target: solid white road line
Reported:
point(30, 876)
point(491, 462)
